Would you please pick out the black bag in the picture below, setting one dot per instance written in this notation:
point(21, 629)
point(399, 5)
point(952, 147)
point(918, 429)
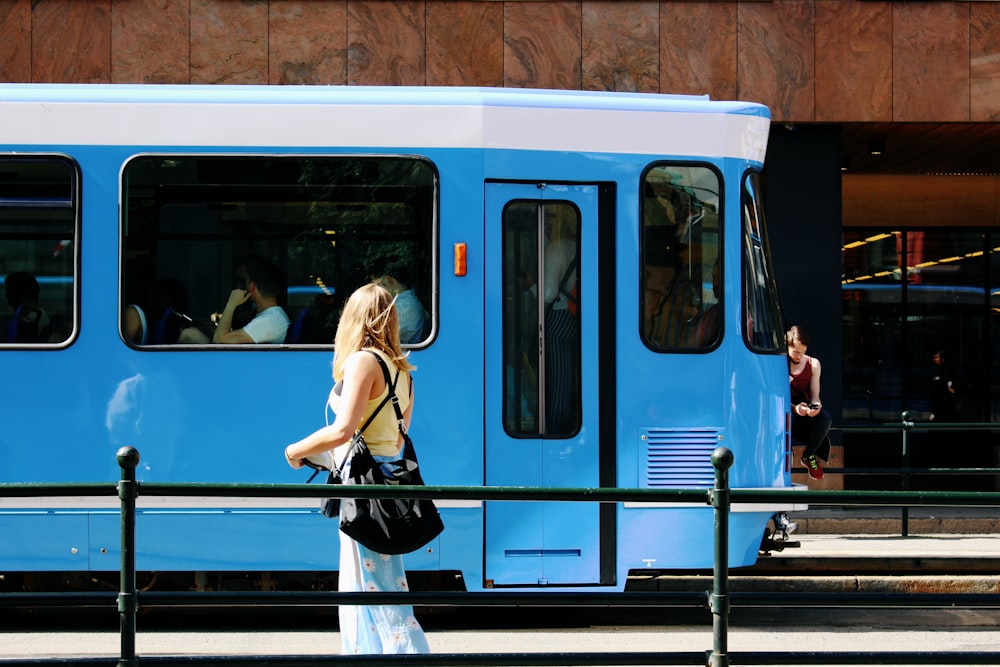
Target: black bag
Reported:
point(388, 525)
point(330, 507)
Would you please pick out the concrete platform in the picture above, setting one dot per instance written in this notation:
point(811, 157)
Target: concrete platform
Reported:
point(861, 563)
point(889, 521)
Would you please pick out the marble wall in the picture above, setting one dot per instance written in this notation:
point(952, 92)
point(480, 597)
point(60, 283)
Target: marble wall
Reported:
point(809, 60)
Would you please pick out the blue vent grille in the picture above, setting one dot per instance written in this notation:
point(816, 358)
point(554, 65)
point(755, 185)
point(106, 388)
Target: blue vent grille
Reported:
point(679, 458)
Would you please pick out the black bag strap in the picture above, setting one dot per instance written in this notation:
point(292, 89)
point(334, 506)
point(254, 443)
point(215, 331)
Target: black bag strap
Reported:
point(408, 452)
point(377, 410)
point(392, 393)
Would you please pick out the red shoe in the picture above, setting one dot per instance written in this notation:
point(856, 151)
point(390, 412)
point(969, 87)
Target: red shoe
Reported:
point(813, 467)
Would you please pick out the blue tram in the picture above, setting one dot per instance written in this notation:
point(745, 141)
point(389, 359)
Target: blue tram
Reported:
point(593, 305)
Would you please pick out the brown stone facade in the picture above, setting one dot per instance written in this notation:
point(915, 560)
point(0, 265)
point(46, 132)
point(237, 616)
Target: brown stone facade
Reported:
point(809, 60)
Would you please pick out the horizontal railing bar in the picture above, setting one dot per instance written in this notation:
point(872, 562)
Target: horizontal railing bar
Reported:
point(664, 599)
point(273, 490)
point(870, 498)
point(865, 658)
point(892, 427)
point(161, 599)
point(422, 660)
point(429, 491)
point(430, 599)
point(902, 470)
point(32, 489)
point(510, 493)
point(554, 659)
point(59, 599)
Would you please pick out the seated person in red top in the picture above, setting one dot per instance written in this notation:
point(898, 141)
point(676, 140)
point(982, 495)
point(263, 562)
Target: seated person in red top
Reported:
point(810, 422)
point(259, 282)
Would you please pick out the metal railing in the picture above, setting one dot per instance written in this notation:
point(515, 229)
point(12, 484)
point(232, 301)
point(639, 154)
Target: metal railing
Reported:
point(906, 471)
point(718, 601)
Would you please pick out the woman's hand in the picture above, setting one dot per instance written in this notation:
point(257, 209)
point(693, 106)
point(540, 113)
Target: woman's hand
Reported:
point(807, 409)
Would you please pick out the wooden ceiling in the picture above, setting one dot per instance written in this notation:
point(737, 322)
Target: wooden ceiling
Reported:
point(928, 175)
point(922, 148)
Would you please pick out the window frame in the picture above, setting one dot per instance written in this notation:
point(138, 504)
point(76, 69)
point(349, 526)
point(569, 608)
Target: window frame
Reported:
point(425, 228)
point(67, 322)
point(692, 328)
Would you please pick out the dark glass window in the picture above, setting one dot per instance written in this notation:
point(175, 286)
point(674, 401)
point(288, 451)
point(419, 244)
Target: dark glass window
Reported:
point(920, 312)
point(761, 306)
point(39, 210)
point(541, 337)
point(681, 258)
point(322, 226)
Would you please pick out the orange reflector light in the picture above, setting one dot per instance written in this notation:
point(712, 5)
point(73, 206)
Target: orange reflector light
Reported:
point(460, 263)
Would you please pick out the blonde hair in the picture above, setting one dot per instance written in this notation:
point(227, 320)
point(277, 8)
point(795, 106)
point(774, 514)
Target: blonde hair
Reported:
point(368, 321)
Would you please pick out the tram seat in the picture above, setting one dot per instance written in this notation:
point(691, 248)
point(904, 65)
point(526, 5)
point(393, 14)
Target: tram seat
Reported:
point(23, 326)
point(297, 328)
point(160, 331)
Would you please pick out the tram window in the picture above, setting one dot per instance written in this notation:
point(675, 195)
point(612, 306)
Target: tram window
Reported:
point(542, 363)
point(328, 223)
point(761, 307)
point(681, 258)
point(39, 209)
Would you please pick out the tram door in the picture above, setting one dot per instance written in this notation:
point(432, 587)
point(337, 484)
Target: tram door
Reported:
point(541, 416)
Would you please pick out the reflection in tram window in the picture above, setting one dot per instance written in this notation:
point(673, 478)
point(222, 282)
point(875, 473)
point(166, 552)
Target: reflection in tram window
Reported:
point(39, 208)
point(763, 329)
point(541, 260)
point(681, 261)
point(329, 224)
point(911, 293)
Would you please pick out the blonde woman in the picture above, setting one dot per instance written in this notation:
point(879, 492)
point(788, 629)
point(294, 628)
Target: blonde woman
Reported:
point(369, 325)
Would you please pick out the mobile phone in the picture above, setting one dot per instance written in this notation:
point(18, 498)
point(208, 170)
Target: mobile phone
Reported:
point(814, 406)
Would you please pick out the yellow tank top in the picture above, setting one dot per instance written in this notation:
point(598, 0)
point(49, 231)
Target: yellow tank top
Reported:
point(382, 434)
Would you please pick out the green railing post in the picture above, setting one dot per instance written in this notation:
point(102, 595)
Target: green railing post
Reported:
point(722, 459)
point(905, 517)
point(128, 459)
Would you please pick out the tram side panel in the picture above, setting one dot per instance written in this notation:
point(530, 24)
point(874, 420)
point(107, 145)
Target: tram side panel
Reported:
point(215, 416)
point(694, 396)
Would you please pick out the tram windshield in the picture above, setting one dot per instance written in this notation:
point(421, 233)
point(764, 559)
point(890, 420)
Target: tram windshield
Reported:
point(761, 305)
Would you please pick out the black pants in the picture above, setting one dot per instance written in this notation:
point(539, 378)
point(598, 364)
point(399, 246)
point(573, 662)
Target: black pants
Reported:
point(562, 356)
point(812, 432)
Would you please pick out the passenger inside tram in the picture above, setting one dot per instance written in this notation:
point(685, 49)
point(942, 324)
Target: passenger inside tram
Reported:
point(413, 317)
point(260, 285)
point(29, 322)
point(669, 296)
